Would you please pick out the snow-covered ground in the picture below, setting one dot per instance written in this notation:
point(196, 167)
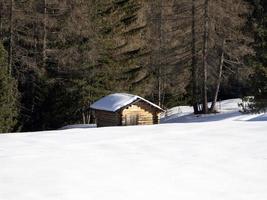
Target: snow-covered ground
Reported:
point(183, 114)
point(218, 157)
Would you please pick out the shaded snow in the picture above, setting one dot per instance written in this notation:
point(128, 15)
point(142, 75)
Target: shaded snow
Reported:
point(228, 110)
point(231, 104)
point(78, 126)
point(114, 102)
point(213, 160)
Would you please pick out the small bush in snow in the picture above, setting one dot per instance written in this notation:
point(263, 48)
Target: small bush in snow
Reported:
point(247, 105)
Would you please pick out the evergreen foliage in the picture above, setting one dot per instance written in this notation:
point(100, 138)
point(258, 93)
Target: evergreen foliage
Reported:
point(8, 96)
point(259, 77)
point(66, 54)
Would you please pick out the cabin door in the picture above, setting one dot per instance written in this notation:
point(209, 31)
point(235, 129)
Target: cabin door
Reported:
point(131, 120)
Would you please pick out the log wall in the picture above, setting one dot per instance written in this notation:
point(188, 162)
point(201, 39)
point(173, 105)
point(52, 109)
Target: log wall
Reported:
point(104, 118)
point(147, 115)
point(138, 113)
point(144, 117)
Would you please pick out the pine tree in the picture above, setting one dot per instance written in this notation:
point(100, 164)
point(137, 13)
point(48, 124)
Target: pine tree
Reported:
point(8, 96)
point(259, 78)
point(65, 54)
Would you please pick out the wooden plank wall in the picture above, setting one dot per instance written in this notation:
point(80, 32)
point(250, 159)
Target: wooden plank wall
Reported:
point(147, 115)
point(105, 118)
point(144, 117)
point(154, 111)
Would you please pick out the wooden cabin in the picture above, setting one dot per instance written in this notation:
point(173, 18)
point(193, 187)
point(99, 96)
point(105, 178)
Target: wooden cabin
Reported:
point(122, 109)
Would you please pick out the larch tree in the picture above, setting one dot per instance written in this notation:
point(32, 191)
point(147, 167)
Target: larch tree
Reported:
point(224, 45)
point(66, 54)
point(229, 42)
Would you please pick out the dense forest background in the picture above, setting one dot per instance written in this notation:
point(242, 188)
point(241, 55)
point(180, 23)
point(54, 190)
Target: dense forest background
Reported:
point(59, 56)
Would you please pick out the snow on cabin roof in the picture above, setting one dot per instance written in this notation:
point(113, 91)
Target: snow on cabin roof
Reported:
point(114, 102)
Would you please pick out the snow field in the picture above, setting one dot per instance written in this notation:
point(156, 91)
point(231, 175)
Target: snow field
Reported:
point(222, 159)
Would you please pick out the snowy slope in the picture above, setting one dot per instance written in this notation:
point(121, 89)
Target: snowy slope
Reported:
point(222, 159)
point(228, 109)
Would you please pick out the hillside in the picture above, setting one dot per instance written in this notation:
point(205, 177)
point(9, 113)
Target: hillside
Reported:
point(64, 55)
point(212, 159)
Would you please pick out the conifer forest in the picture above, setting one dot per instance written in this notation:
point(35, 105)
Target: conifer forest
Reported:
point(57, 57)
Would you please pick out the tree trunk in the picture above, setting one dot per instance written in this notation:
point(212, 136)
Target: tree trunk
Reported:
point(159, 86)
point(1, 20)
point(83, 117)
point(36, 42)
point(219, 79)
point(88, 117)
point(44, 33)
point(194, 59)
point(205, 54)
point(10, 49)
point(159, 64)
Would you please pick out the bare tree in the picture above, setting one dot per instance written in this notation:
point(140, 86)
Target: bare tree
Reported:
point(194, 60)
point(205, 57)
point(229, 43)
point(219, 78)
point(1, 18)
point(44, 33)
point(10, 49)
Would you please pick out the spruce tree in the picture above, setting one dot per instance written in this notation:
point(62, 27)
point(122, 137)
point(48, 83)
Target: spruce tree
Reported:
point(8, 96)
point(259, 78)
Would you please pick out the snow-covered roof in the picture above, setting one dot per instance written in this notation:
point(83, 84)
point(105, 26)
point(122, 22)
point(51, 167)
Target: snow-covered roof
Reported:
point(114, 102)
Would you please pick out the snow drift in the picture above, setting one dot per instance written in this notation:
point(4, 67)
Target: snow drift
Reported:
point(219, 159)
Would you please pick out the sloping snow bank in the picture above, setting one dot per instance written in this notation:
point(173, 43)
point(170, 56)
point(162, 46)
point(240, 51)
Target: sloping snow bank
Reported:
point(228, 109)
point(219, 160)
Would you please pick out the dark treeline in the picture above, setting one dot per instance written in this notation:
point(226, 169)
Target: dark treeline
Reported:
point(59, 56)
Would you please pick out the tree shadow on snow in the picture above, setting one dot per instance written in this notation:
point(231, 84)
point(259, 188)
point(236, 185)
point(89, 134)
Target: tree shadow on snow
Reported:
point(260, 118)
point(78, 126)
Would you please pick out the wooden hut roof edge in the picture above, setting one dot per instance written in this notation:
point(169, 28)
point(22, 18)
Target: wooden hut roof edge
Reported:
point(117, 101)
